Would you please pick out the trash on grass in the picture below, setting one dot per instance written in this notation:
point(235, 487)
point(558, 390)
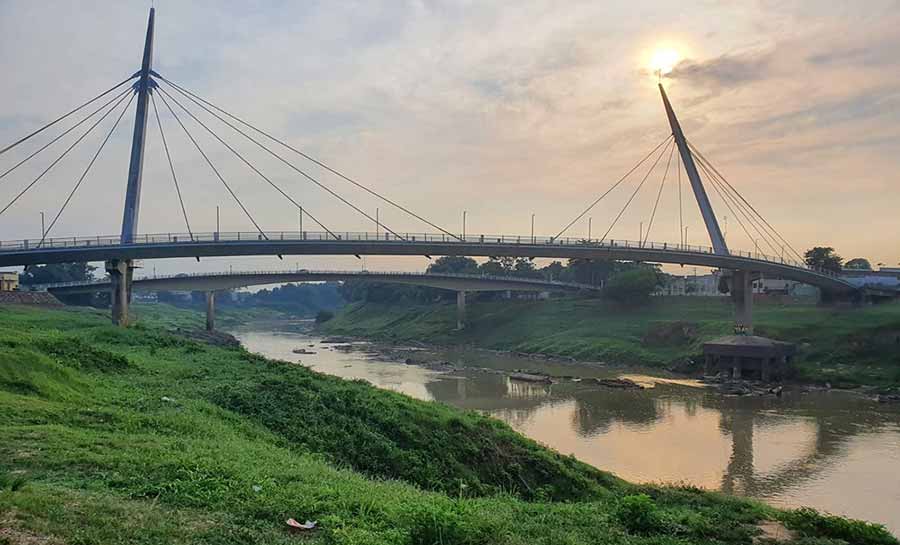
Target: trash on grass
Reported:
point(308, 525)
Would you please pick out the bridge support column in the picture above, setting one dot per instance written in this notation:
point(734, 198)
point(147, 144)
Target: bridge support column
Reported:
point(120, 276)
point(742, 295)
point(460, 310)
point(210, 311)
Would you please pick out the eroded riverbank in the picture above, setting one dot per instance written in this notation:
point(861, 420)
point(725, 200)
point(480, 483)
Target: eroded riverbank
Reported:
point(828, 449)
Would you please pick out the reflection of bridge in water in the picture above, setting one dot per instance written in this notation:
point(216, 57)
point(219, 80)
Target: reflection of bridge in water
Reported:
point(833, 422)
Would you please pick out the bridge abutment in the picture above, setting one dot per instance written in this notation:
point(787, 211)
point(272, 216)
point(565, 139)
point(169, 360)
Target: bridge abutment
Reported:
point(120, 273)
point(460, 310)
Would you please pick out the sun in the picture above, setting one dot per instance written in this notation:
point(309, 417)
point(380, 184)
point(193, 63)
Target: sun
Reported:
point(664, 60)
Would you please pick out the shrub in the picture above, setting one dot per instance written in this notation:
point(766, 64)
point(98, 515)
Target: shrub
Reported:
point(639, 514)
point(810, 522)
point(323, 316)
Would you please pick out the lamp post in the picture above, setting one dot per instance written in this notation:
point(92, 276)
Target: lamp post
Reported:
point(532, 228)
point(217, 220)
point(685, 243)
point(43, 231)
point(641, 236)
point(589, 228)
point(377, 224)
point(465, 212)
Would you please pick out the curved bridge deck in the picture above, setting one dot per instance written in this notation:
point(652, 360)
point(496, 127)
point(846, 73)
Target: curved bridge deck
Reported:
point(168, 245)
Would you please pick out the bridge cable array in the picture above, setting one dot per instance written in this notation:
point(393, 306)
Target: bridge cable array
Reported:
point(214, 169)
point(615, 185)
point(749, 209)
point(658, 195)
point(206, 105)
point(165, 143)
point(64, 116)
point(638, 188)
point(86, 170)
point(63, 155)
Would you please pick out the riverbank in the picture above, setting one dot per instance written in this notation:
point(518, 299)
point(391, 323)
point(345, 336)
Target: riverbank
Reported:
point(140, 435)
point(845, 347)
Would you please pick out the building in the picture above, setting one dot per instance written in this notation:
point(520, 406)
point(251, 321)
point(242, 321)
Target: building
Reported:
point(9, 281)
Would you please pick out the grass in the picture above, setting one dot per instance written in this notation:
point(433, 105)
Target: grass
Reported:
point(844, 346)
point(141, 436)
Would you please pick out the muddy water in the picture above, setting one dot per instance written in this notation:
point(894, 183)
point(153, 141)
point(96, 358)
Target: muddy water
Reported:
point(834, 451)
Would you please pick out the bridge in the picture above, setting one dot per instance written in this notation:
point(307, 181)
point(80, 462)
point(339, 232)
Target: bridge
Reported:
point(119, 251)
point(212, 282)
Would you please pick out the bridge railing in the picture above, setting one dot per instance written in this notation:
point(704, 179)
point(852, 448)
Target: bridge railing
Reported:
point(384, 237)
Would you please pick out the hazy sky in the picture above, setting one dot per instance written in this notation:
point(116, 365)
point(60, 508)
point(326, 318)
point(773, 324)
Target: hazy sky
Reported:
point(498, 108)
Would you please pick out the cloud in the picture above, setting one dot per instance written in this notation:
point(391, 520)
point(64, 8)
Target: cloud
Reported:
point(725, 71)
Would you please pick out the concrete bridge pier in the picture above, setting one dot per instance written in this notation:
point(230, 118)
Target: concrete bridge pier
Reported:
point(460, 310)
point(210, 311)
point(742, 295)
point(120, 273)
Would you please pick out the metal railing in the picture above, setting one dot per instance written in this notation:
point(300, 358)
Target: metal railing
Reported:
point(106, 241)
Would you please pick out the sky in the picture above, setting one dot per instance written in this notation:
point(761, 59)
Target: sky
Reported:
point(500, 109)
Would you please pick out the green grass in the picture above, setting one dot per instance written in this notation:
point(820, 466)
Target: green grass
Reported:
point(844, 346)
point(140, 436)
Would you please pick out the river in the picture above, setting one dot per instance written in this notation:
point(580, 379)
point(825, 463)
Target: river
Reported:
point(835, 451)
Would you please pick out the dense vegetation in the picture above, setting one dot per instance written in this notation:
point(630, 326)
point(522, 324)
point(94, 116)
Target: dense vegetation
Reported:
point(141, 436)
point(844, 346)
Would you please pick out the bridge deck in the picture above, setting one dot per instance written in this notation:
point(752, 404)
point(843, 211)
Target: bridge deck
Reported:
point(168, 245)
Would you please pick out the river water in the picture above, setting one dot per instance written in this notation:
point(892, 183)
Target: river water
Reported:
point(835, 451)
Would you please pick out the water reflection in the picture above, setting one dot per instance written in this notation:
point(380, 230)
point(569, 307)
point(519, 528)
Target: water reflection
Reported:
point(829, 450)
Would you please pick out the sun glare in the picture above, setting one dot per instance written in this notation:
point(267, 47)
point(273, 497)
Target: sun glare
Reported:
point(664, 60)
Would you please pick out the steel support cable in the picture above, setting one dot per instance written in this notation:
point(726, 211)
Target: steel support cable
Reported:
point(658, 195)
point(246, 162)
point(60, 158)
point(680, 207)
point(86, 170)
point(770, 239)
point(60, 118)
point(741, 197)
point(288, 163)
point(767, 238)
point(213, 167)
point(162, 135)
point(67, 131)
point(201, 101)
point(615, 185)
point(638, 188)
point(716, 187)
point(764, 234)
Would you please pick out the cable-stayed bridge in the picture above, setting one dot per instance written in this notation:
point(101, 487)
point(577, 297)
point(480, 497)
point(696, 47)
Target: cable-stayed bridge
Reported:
point(193, 114)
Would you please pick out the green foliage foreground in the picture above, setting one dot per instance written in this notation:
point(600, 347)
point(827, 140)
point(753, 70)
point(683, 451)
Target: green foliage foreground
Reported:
point(140, 436)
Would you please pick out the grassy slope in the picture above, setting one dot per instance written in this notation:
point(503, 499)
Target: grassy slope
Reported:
point(850, 345)
point(139, 436)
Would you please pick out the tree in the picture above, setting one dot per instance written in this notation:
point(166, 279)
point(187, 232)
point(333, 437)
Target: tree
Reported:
point(859, 263)
point(65, 272)
point(823, 257)
point(632, 287)
point(454, 264)
point(57, 272)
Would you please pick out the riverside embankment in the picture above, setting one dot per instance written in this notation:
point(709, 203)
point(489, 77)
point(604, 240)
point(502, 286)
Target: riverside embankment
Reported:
point(138, 435)
point(846, 346)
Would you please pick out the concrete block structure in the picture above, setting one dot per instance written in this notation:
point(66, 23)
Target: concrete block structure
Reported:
point(748, 357)
point(9, 281)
